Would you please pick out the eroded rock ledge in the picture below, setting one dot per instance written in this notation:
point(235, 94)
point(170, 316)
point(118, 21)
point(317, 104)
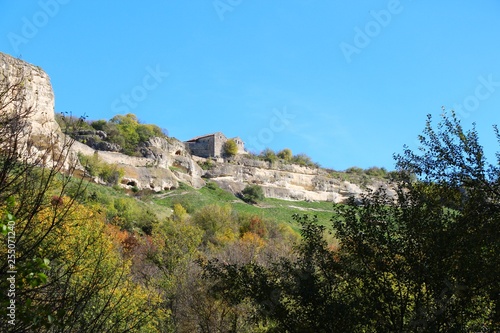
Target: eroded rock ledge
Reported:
point(167, 162)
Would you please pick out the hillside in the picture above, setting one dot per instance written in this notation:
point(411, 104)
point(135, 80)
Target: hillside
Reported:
point(163, 163)
point(145, 234)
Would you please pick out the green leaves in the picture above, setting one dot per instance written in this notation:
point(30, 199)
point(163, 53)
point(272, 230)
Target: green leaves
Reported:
point(230, 148)
point(252, 194)
point(426, 259)
point(33, 271)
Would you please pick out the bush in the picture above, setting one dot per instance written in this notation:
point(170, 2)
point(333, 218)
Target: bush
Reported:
point(354, 170)
point(376, 172)
point(304, 160)
point(123, 130)
point(252, 194)
point(253, 224)
point(206, 165)
point(230, 148)
point(211, 185)
point(285, 154)
point(217, 222)
point(109, 173)
point(268, 155)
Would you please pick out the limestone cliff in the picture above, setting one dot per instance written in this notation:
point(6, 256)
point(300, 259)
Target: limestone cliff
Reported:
point(37, 93)
point(167, 162)
point(284, 181)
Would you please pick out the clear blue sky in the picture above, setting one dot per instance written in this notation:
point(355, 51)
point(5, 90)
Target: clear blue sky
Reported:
point(347, 82)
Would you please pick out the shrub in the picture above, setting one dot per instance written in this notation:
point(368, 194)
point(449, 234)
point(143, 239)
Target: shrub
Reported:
point(354, 170)
point(268, 155)
point(123, 130)
point(206, 165)
point(255, 225)
point(109, 173)
point(211, 185)
point(376, 172)
point(252, 194)
point(217, 222)
point(304, 160)
point(230, 148)
point(285, 154)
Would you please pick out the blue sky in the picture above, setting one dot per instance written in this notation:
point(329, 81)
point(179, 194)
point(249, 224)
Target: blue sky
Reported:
point(347, 82)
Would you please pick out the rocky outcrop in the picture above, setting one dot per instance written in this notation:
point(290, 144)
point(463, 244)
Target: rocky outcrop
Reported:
point(152, 172)
point(95, 139)
point(158, 148)
point(167, 161)
point(284, 181)
point(149, 173)
point(37, 93)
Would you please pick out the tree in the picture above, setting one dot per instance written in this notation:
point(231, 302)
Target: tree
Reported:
point(429, 260)
point(304, 160)
point(127, 126)
point(426, 260)
point(268, 155)
point(230, 148)
point(292, 295)
point(285, 154)
point(30, 165)
point(252, 194)
point(68, 276)
point(217, 223)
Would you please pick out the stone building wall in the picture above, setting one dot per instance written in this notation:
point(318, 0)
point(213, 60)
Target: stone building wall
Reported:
point(240, 144)
point(219, 140)
point(211, 145)
point(202, 147)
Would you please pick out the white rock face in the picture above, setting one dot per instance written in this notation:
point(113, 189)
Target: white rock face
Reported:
point(282, 181)
point(168, 162)
point(38, 92)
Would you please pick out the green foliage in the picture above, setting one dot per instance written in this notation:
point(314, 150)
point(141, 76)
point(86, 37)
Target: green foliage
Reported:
point(296, 295)
point(426, 262)
point(268, 155)
point(304, 160)
point(252, 194)
point(362, 177)
point(285, 154)
point(354, 170)
point(254, 225)
point(207, 164)
point(124, 211)
point(109, 173)
point(230, 148)
point(212, 185)
point(277, 210)
point(99, 125)
point(123, 130)
point(376, 172)
point(70, 123)
point(217, 222)
point(69, 276)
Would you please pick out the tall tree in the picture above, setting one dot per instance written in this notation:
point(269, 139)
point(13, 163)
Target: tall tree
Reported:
point(426, 259)
point(63, 274)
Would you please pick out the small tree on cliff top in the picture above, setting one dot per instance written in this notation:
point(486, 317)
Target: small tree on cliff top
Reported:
point(230, 148)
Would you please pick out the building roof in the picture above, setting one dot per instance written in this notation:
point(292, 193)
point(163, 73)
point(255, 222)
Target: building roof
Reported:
point(204, 136)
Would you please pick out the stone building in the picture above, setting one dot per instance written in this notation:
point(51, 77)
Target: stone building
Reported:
point(212, 145)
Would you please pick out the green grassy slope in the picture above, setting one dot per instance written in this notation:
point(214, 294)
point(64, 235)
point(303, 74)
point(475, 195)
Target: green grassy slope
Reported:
point(274, 209)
